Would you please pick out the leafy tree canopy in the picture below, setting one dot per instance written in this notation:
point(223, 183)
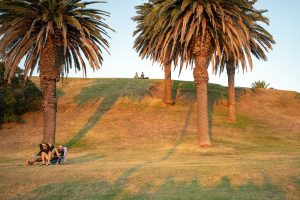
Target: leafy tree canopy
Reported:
point(26, 25)
point(18, 97)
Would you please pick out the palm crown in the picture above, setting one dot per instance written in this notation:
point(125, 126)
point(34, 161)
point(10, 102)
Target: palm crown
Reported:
point(26, 25)
point(200, 32)
point(260, 41)
point(150, 41)
point(168, 29)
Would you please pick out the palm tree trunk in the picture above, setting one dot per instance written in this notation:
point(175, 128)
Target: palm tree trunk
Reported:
point(49, 108)
point(231, 91)
point(49, 75)
point(168, 99)
point(201, 53)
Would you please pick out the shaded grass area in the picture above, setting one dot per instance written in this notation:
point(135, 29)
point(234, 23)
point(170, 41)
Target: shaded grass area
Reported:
point(110, 90)
point(181, 135)
point(59, 93)
point(216, 93)
point(169, 189)
point(297, 96)
point(120, 184)
point(86, 158)
point(213, 89)
point(134, 89)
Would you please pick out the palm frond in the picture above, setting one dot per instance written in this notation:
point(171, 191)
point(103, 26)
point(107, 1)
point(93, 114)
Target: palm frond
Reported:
point(26, 25)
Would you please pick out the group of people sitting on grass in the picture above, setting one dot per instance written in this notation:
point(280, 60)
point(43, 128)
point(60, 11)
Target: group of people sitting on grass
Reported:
point(48, 154)
point(136, 76)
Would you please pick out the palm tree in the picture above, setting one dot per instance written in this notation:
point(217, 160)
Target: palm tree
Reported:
point(149, 44)
point(53, 35)
point(260, 41)
point(198, 32)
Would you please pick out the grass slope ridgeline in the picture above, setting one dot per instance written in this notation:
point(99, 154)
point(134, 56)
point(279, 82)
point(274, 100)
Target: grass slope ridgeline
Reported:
point(125, 144)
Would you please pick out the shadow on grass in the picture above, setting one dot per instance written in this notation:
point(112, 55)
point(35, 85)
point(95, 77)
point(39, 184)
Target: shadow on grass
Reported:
point(296, 180)
point(297, 96)
point(59, 93)
point(168, 190)
point(85, 158)
point(121, 182)
point(215, 93)
point(181, 135)
point(110, 90)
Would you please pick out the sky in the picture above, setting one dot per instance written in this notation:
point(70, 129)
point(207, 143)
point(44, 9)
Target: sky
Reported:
point(282, 70)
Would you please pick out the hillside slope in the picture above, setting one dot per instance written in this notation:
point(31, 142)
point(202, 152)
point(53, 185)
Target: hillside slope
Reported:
point(122, 138)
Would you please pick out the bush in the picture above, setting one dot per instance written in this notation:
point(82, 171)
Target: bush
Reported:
point(18, 97)
point(260, 84)
point(297, 96)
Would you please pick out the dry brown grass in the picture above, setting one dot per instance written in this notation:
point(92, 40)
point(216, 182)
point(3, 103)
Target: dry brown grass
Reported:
point(136, 143)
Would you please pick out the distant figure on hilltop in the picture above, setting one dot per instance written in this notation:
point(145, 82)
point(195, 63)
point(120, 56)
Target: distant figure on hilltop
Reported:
point(136, 76)
point(143, 76)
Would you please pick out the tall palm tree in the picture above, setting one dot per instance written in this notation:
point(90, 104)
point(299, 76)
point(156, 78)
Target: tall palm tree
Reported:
point(148, 44)
point(260, 42)
point(198, 32)
point(53, 35)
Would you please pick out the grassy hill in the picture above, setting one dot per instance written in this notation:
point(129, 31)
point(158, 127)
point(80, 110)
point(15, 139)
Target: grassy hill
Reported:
point(125, 144)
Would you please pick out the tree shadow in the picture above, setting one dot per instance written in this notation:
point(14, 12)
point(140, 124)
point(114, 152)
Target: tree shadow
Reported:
point(297, 96)
point(181, 135)
point(59, 93)
point(187, 92)
point(121, 182)
point(134, 92)
point(169, 189)
point(175, 86)
point(215, 93)
point(223, 190)
point(85, 158)
point(110, 90)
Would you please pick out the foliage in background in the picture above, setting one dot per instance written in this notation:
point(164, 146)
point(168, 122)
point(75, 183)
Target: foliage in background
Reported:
point(260, 84)
point(297, 96)
point(18, 97)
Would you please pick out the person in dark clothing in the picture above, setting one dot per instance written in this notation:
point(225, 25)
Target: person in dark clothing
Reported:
point(46, 153)
point(143, 76)
point(44, 148)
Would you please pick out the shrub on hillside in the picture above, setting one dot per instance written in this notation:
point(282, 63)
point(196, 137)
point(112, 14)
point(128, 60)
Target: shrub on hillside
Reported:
point(18, 97)
point(297, 96)
point(260, 84)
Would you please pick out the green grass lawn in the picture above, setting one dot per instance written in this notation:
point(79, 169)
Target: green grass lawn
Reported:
point(125, 144)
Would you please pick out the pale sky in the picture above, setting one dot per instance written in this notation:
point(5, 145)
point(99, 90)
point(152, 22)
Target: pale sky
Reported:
point(282, 70)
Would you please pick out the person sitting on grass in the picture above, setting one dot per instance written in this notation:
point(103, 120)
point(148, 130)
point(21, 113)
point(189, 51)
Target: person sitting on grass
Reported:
point(36, 158)
point(143, 76)
point(136, 76)
point(46, 153)
point(44, 148)
point(57, 153)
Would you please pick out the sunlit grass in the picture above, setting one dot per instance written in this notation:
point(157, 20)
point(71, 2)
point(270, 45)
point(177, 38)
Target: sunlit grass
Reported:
point(133, 149)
